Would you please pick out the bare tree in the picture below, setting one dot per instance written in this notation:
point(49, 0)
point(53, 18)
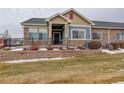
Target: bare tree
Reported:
point(6, 34)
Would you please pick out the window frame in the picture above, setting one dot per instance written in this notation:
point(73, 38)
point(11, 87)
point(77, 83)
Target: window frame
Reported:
point(84, 30)
point(100, 34)
point(119, 35)
point(43, 31)
point(30, 39)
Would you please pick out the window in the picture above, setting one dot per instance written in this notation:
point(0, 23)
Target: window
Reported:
point(78, 34)
point(71, 15)
point(120, 36)
point(97, 35)
point(42, 34)
point(32, 33)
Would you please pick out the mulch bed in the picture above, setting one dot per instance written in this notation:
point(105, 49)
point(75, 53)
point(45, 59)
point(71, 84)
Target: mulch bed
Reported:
point(21, 55)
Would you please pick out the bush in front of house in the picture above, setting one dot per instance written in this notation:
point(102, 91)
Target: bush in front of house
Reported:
point(50, 47)
point(94, 45)
point(121, 45)
point(35, 45)
point(117, 45)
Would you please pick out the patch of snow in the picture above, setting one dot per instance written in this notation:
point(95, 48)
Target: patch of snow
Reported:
point(56, 49)
point(77, 49)
point(35, 60)
point(13, 48)
point(17, 49)
point(122, 70)
point(6, 47)
point(43, 49)
point(108, 51)
point(112, 52)
point(64, 48)
point(121, 82)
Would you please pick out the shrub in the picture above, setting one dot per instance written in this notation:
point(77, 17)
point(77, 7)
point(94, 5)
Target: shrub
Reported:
point(121, 45)
point(25, 48)
point(115, 45)
point(50, 47)
point(35, 45)
point(61, 48)
point(94, 45)
point(110, 47)
point(1, 45)
point(81, 47)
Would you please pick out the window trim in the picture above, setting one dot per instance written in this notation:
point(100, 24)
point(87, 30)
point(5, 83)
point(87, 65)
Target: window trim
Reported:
point(84, 30)
point(97, 39)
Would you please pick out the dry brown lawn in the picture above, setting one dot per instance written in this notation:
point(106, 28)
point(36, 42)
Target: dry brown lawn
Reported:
point(83, 68)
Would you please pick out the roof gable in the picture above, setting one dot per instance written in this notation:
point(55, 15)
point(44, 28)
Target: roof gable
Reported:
point(79, 14)
point(56, 15)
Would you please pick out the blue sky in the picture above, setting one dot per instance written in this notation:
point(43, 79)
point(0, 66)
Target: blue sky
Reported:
point(10, 18)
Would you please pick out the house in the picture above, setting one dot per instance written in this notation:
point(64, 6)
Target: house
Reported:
point(1, 41)
point(71, 27)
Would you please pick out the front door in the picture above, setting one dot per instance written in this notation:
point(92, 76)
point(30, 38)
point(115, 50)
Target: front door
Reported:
point(56, 37)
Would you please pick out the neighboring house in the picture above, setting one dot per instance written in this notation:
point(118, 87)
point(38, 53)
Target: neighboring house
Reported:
point(1, 41)
point(71, 26)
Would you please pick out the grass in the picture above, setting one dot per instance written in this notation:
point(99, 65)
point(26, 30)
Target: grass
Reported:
point(88, 68)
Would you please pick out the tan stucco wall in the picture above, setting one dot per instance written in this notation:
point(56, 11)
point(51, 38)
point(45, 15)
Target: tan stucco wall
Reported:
point(76, 43)
point(105, 37)
point(77, 19)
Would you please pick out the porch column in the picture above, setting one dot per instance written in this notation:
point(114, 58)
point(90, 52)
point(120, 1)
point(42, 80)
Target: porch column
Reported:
point(50, 33)
point(65, 34)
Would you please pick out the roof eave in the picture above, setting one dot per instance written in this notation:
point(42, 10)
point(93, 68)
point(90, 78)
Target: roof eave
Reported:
point(107, 27)
point(23, 24)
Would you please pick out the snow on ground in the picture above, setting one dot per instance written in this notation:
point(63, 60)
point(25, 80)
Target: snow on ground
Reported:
point(17, 49)
point(121, 82)
point(56, 49)
point(35, 60)
point(43, 49)
point(112, 52)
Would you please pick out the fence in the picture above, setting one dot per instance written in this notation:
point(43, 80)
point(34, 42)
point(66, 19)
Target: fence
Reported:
point(20, 42)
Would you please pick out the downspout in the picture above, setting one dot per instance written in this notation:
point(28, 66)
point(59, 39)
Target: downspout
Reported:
point(108, 36)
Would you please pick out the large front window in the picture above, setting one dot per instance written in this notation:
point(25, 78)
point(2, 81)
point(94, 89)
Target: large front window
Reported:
point(120, 36)
point(78, 34)
point(42, 34)
point(97, 35)
point(33, 34)
point(37, 34)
